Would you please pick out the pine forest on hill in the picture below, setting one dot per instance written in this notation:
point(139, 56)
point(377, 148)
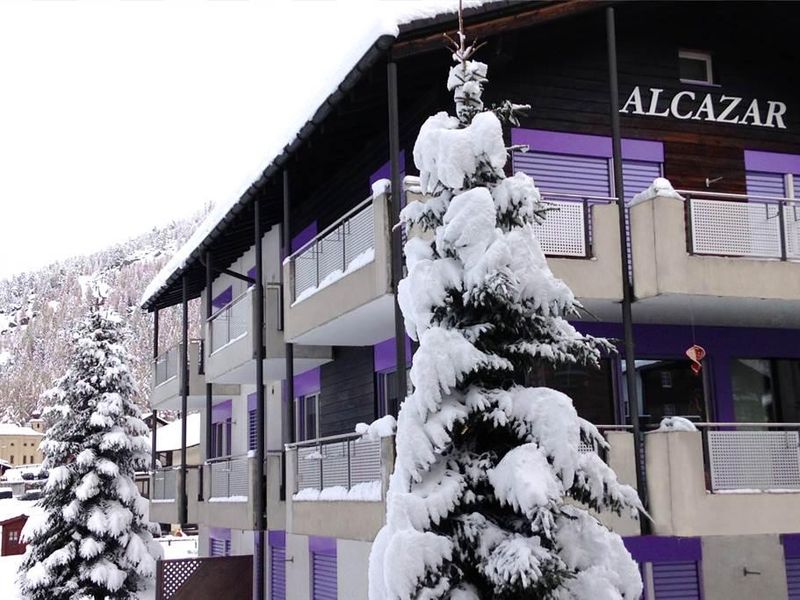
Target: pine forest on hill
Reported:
point(38, 309)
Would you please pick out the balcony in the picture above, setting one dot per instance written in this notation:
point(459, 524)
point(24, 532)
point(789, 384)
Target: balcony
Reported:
point(167, 379)
point(726, 479)
point(229, 492)
point(338, 286)
point(337, 486)
point(231, 348)
point(165, 490)
point(731, 258)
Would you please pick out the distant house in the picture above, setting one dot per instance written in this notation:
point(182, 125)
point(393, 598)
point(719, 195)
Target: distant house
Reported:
point(168, 442)
point(12, 535)
point(20, 445)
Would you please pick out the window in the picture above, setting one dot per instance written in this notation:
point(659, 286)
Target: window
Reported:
point(31, 458)
point(24, 460)
point(12, 458)
point(388, 400)
point(765, 390)
point(695, 67)
point(13, 536)
point(306, 415)
point(773, 174)
point(669, 388)
point(219, 547)
point(221, 434)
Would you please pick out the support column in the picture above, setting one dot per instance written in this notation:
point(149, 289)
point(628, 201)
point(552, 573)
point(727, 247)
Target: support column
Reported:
point(287, 251)
point(260, 501)
point(209, 387)
point(397, 234)
point(627, 286)
point(183, 505)
point(153, 411)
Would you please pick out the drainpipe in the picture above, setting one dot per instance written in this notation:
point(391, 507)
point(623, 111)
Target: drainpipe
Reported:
point(627, 285)
point(209, 386)
point(259, 502)
point(154, 412)
point(397, 238)
point(287, 251)
point(183, 505)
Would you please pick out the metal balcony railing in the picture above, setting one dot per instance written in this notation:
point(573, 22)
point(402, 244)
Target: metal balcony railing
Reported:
point(165, 484)
point(752, 456)
point(165, 365)
point(740, 225)
point(232, 321)
point(340, 248)
point(230, 477)
point(567, 229)
point(342, 461)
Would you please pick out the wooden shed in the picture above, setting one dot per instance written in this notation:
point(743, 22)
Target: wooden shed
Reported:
point(12, 535)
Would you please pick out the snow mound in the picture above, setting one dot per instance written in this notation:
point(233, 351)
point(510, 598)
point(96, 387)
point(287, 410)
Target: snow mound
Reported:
point(661, 187)
point(676, 424)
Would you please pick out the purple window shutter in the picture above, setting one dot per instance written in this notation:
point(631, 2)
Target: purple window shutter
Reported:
point(277, 565)
point(637, 176)
point(224, 298)
point(323, 576)
point(565, 173)
point(793, 576)
point(251, 429)
point(765, 184)
point(676, 580)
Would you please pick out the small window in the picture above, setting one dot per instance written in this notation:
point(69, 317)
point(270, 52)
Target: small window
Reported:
point(12, 458)
point(24, 460)
point(695, 67)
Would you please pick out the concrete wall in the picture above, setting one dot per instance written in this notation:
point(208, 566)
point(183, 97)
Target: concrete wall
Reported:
point(298, 569)
point(352, 560)
point(750, 566)
point(680, 504)
point(662, 264)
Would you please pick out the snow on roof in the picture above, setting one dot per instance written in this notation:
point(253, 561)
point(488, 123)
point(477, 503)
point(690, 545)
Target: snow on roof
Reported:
point(308, 101)
point(168, 437)
point(11, 507)
point(11, 429)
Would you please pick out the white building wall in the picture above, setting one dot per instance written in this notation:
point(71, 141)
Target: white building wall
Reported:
point(298, 569)
point(352, 561)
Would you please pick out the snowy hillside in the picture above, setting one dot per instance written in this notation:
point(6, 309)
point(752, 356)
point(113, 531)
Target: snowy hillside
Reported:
point(37, 310)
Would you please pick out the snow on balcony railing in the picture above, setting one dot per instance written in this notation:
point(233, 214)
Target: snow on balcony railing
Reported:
point(739, 225)
point(344, 467)
point(231, 322)
point(567, 229)
point(338, 250)
point(230, 478)
point(752, 456)
point(164, 484)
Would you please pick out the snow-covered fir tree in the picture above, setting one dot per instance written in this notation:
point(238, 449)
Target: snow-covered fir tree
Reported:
point(487, 499)
point(92, 540)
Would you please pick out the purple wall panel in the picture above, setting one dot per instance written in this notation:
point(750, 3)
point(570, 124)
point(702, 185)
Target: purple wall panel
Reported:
point(304, 236)
point(222, 411)
point(224, 298)
point(771, 162)
point(656, 548)
point(277, 538)
point(385, 354)
point(385, 172)
point(322, 545)
point(219, 533)
point(586, 145)
point(307, 383)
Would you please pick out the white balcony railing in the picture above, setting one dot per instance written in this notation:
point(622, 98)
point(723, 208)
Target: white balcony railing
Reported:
point(342, 462)
point(344, 246)
point(739, 225)
point(232, 321)
point(229, 477)
point(567, 229)
point(165, 483)
point(754, 456)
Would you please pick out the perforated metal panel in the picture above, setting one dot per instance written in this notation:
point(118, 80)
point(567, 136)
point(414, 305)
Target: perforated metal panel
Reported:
point(334, 251)
point(791, 221)
point(277, 573)
point(736, 228)
point(173, 574)
point(563, 232)
point(754, 460)
point(676, 581)
point(230, 478)
point(323, 576)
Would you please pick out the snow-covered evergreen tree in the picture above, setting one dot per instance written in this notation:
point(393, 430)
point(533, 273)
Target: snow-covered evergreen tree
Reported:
point(92, 540)
point(485, 500)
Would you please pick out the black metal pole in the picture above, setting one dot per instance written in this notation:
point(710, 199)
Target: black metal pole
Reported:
point(260, 501)
point(153, 411)
point(287, 251)
point(209, 386)
point(627, 284)
point(183, 505)
point(397, 237)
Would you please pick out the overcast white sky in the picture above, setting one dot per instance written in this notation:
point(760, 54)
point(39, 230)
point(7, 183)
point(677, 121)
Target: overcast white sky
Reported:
point(118, 115)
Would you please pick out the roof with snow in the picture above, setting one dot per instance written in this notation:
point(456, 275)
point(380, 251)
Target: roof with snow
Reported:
point(227, 230)
point(11, 507)
point(11, 429)
point(168, 437)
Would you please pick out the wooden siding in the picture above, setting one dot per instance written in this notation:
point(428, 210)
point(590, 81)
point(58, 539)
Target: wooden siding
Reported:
point(347, 394)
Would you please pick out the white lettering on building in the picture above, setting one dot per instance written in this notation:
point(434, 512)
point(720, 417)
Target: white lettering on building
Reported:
point(686, 105)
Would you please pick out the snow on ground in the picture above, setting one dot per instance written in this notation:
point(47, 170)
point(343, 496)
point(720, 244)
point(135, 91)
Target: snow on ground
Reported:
point(11, 507)
point(174, 547)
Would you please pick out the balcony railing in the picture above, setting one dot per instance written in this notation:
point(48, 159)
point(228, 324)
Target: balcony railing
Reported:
point(231, 322)
point(567, 228)
point(752, 456)
point(342, 462)
point(739, 225)
point(343, 247)
point(165, 365)
point(165, 484)
point(230, 477)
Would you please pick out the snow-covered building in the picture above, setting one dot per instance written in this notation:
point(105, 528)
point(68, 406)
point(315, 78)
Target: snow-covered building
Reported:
point(20, 445)
point(303, 340)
